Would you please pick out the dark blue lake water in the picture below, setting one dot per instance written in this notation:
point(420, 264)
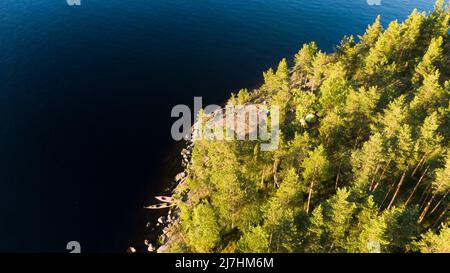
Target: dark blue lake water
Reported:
point(86, 94)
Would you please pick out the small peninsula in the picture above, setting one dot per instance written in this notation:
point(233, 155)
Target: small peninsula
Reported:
point(363, 163)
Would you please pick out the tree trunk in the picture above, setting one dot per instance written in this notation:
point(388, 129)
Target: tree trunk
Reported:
point(418, 165)
point(275, 171)
point(232, 218)
point(416, 186)
point(262, 177)
point(387, 195)
point(427, 207)
point(339, 173)
point(373, 179)
point(381, 176)
point(440, 201)
point(270, 239)
point(309, 196)
point(424, 196)
point(397, 190)
point(441, 215)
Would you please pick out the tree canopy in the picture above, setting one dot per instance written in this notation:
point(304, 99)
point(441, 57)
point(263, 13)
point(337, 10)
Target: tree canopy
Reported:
point(370, 174)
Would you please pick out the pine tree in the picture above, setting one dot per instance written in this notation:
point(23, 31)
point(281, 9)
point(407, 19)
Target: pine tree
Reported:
point(289, 192)
point(231, 196)
point(429, 61)
point(337, 215)
point(359, 111)
point(279, 225)
point(384, 51)
point(440, 19)
point(393, 118)
point(402, 155)
point(430, 96)
point(334, 90)
point(303, 63)
point(412, 30)
point(369, 163)
point(367, 235)
point(243, 97)
point(441, 186)
point(297, 151)
point(348, 54)
point(332, 131)
point(282, 97)
point(431, 242)
point(371, 35)
point(204, 232)
point(270, 82)
point(317, 74)
point(429, 139)
point(315, 170)
point(315, 232)
point(401, 227)
point(428, 143)
point(255, 240)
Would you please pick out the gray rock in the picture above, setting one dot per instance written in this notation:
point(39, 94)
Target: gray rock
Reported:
point(151, 248)
point(131, 250)
point(185, 152)
point(161, 219)
point(180, 176)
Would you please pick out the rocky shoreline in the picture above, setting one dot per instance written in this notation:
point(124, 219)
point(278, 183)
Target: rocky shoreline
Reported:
point(171, 220)
point(166, 225)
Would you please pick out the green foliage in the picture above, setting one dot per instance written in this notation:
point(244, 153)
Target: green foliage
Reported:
point(303, 62)
point(316, 166)
point(431, 242)
point(367, 235)
point(401, 227)
point(384, 51)
point(279, 225)
point(315, 232)
point(204, 232)
point(337, 215)
point(442, 182)
point(372, 34)
point(433, 54)
point(255, 240)
point(316, 169)
point(334, 89)
point(305, 103)
point(370, 174)
point(367, 162)
point(359, 112)
point(289, 192)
